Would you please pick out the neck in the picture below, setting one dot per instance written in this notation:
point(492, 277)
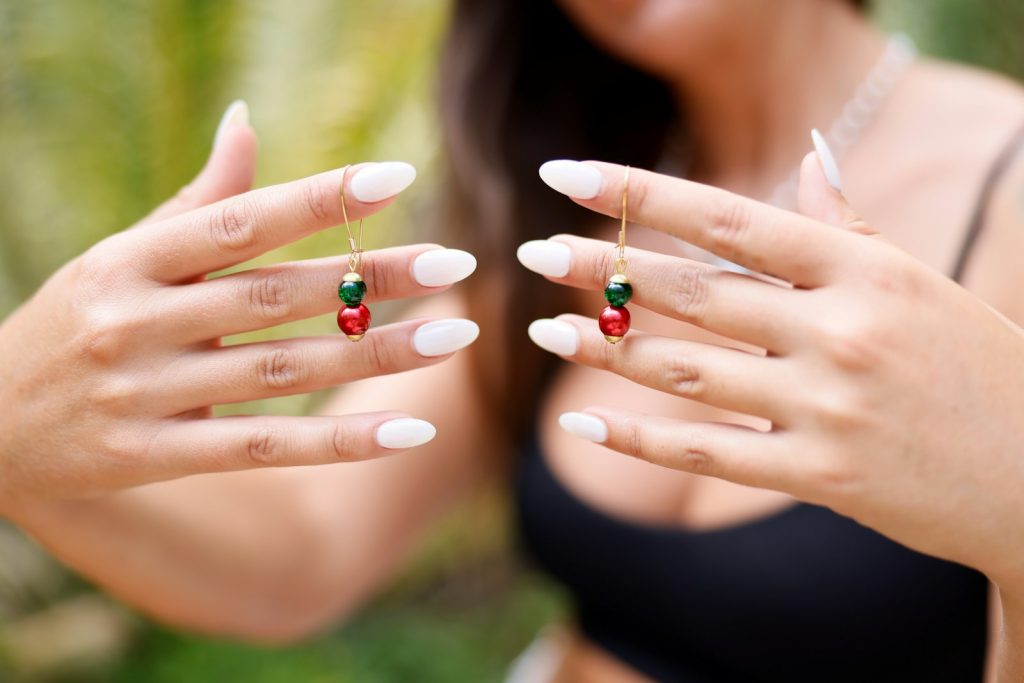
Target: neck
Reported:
point(750, 109)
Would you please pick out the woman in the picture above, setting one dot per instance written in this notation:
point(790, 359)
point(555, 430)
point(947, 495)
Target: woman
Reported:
point(676, 577)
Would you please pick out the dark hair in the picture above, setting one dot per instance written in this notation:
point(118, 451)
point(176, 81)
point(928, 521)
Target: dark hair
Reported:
point(520, 85)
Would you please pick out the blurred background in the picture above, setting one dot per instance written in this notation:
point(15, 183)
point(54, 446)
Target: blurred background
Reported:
point(107, 107)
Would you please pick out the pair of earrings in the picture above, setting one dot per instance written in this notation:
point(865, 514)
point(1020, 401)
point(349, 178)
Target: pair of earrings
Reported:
point(354, 316)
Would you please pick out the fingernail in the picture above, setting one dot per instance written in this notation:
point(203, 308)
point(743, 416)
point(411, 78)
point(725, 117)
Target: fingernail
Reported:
point(439, 267)
point(828, 160)
point(237, 114)
point(555, 336)
point(382, 180)
point(444, 336)
point(585, 426)
point(545, 257)
point(405, 432)
point(573, 178)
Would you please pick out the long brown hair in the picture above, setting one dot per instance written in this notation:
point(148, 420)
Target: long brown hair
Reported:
point(520, 85)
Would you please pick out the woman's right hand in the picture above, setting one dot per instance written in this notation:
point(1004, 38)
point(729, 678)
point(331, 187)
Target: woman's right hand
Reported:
point(111, 368)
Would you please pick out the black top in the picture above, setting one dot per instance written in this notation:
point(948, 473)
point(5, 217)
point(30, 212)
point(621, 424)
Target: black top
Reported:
point(801, 595)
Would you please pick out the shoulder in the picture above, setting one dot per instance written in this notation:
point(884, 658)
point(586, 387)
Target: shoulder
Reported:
point(996, 268)
point(977, 115)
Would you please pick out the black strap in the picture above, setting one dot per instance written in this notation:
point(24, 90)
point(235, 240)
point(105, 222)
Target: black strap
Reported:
point(980, 213)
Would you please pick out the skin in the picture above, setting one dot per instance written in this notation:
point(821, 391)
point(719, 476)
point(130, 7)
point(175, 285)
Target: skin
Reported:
point(274, 554)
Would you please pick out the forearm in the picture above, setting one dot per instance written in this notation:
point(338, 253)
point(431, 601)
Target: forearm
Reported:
point(201, 553)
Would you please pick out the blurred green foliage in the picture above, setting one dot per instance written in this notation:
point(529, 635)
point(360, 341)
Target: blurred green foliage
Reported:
point(108, 106)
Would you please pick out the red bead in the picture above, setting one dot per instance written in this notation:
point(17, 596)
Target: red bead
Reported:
point(614, 321)
point(354, 321)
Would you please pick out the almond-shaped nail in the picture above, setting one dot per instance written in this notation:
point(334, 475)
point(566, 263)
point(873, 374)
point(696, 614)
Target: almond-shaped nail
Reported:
point(237, 114)
point(554, 336)
point(441, 337)
point(405, 432)
point(439, 267)
point(585, 426)
point(572, 178)
point(379, 181)
point(545, 257)
point(828, 160)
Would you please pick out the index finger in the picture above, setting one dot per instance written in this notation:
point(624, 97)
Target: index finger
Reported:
point(761, 237)
point(239, 228)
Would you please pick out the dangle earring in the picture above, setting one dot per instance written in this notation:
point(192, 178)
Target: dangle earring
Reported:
point(353, 317)
point(614, 319)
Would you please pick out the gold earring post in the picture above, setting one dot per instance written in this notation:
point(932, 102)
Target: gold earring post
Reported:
point(355, 257)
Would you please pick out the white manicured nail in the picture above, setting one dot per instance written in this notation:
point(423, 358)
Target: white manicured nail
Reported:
point(584, 426)
point(236, 114)
point(573, 178)
point(405, 432)
point(441, 337)
point(555, 336)
point(545, 257)
point(828, 160)
point(439, 267)
point(382, 180)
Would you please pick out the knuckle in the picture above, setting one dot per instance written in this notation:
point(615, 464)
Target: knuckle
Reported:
point(684, 378)
point(339, 443)
point(837, 411)
point(107, 336)
point(851, 345)
point(728, 223)
point(639, 193)
point(381, 357)
point(278, 369)
point(689, 293)
point(97, 270)
point(892, 277)
point(376, 271)
point(263, 448)
point(831, 479)
point(695, 458)
point(315, 202)
point(270, 297)
point(119, 448)
point(114, 394)
point(602, 266)
point(233, 228)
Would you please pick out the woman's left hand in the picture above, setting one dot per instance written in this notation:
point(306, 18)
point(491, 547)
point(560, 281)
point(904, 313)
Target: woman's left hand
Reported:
point(895, 396)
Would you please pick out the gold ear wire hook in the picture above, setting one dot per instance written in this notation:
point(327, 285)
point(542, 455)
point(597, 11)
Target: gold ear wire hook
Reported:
point(620, 262)
point(355, 257)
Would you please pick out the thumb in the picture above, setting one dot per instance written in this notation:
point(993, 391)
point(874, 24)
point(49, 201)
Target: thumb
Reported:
point(820, 195)
point(228, 171)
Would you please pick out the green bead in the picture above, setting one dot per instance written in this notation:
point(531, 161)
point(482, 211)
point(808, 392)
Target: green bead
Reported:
point(352, 293)
point(618, 293)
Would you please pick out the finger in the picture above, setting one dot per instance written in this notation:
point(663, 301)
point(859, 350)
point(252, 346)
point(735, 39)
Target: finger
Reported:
point(245, 442)
point(714, 375)
point(247, 372)
point(732, 452)
point(820, 193)
point(229, 170)
point(237, 229)
point(264, 297)
point(760, 237)
point(727, 303)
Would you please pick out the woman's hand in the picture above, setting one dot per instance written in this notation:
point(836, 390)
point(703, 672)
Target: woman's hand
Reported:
point(895, 396)
point(110, 370)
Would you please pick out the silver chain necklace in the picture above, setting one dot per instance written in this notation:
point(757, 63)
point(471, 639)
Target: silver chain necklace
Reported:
point(858, 114)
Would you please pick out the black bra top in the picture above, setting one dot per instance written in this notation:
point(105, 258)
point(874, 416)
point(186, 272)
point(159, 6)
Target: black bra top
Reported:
point(803, 595)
